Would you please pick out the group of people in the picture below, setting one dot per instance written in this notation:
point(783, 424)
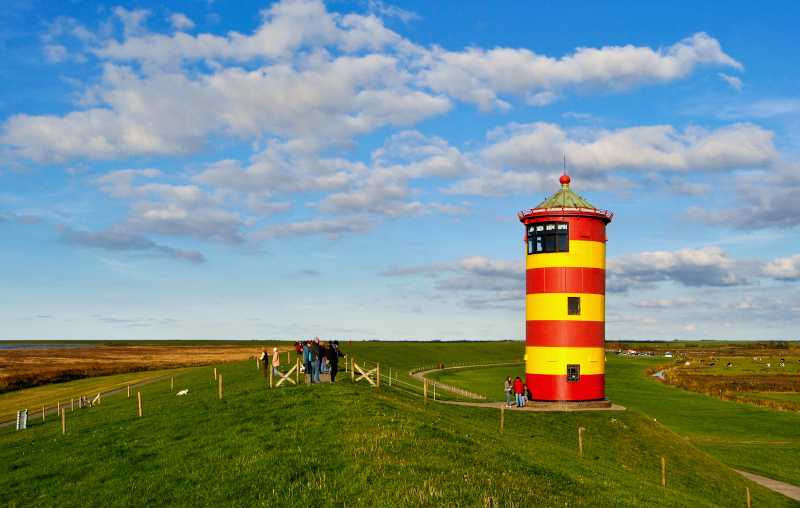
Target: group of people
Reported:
point(316, 358)
point(519, 389)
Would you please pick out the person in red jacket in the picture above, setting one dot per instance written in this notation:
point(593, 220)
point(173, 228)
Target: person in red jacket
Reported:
point(518, 392)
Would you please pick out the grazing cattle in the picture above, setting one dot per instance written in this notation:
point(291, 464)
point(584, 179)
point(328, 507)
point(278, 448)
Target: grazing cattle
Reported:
point(182, 392)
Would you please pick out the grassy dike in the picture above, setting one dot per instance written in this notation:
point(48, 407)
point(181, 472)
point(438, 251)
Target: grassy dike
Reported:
point(348, 445)
point(759, 440)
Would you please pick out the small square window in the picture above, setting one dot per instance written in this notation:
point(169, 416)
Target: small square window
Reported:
point(574, 305)
point(573, 373)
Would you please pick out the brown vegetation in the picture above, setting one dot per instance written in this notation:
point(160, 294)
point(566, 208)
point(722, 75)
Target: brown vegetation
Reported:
point(24, 368)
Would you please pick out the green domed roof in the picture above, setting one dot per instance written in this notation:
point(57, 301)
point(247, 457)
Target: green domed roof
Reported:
point(565, 198)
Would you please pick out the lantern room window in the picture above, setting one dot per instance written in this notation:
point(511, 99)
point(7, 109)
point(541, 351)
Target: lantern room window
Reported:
point(544, 237)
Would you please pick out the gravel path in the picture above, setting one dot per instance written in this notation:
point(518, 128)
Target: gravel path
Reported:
point(787, 489)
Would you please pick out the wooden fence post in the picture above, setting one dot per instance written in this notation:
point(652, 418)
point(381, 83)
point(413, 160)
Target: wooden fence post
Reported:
point(139, 403)
point(220, 386)
point(71, 405)
point(42, 412)
point(98, 398)
point(258, 363)
point(270, 375)
point(502, 418)
point(288, 357)
point(64, 421)
point(172, 383)
point(352, 371)
point(663, 472)
point(58, 407)
point(581, 430)
point(378, 375)
point(749, 501)
point(215, 373)
point(297, 372)
point(425, 390)
point(129, 391)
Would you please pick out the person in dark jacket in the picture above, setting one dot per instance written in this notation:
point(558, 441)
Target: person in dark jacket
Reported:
point(334, 353)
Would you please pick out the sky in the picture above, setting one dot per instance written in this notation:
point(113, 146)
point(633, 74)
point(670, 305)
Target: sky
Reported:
point(354, 169)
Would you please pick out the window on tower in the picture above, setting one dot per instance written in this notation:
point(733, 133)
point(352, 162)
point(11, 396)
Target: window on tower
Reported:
point(574, 305)
point(544, 237)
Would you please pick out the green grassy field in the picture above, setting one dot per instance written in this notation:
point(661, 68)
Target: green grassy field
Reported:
point(349, 445)
point(743, 436)
point(49, 395)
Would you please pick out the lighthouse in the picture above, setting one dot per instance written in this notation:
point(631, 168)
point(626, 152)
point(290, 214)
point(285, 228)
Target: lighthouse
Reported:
point(565, 262)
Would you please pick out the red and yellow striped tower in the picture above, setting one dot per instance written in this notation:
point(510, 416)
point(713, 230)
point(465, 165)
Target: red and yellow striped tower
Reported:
point(565, 300)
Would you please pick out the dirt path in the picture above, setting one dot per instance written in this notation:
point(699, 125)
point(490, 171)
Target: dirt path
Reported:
point(420, 375)
point(787, 489)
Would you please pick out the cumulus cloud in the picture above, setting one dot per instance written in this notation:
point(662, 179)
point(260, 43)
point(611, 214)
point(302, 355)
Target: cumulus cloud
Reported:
point(170, 209)
point(521, 157)
point(482, 76)
point(764, 199)
point(708, 266)
point(120, 240)
point(787, 268)
point(304, 72)
point(656, 147)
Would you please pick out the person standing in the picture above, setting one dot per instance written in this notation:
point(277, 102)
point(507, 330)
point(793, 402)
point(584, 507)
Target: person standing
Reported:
point(333, 358)
point(264, 361)
point(315, 360)
point(276, 361)
point(508, 388)
point(307, 360)
point(518, 391)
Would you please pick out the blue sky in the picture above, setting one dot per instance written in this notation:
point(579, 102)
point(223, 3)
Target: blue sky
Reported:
point(354, 169)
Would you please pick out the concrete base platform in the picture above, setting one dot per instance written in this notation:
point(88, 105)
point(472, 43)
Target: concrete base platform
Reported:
point(543, 407)
point(566, 405)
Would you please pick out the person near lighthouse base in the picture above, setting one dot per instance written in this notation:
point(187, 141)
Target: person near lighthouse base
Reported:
point(518, 392)
point(508, 388)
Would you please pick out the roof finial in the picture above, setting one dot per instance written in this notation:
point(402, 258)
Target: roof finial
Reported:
point(564, 180)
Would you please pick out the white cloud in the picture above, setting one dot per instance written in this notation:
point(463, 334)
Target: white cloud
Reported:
point(764, 199)
point(732, 81)
point(482, 76)
point(787, 268)
point(656, 147)
point(328, 100)
point(286, 27)
point(524, 157)
point(708, 266)
point(181, 22)
point(170, 209)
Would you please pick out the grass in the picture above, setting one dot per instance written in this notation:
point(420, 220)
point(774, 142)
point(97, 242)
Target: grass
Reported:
point(49, 395)
point(345, 444)
point(743, 436)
